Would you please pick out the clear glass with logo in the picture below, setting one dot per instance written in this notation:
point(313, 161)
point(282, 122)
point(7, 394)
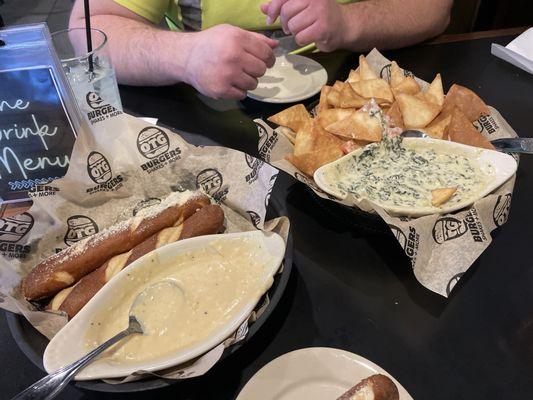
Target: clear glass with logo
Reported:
point(90, 74)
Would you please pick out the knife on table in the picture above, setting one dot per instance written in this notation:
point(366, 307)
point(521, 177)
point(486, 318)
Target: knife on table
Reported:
point(514, 145)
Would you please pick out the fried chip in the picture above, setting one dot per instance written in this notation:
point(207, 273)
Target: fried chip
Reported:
point(288, 133)
point(461, 130)
point(360, 125)
point(442, 195)
point(328, 117)
point(408, 86)
point(323, 103)
point(416, 113)
point(467, 101)
point(365, 72)
point(304, 141)
point(352, 145)
point(354, 76)
point(396, 74)
point(435, 93)
point(318, 147)
point(395, 115)
point(293, 117)
point(338, 85)
point(349, 99)
point(437, 128)
point(374, 88)
point(333, 98)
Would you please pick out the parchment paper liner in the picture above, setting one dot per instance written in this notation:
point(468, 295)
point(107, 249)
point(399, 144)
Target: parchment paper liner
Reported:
point(441, 247)
point(118, 166)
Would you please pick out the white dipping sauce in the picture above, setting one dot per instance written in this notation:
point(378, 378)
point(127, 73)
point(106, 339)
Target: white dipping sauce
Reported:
point(214, 283)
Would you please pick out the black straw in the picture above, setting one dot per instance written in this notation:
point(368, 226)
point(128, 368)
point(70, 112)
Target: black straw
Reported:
point(88, 34)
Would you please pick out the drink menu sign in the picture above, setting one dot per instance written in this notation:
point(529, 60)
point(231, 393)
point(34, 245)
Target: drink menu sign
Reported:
point(36, 134)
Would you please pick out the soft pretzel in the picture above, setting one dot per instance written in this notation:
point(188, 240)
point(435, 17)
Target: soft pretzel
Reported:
point(375, 387)
point(68, 266)
point(207, 220)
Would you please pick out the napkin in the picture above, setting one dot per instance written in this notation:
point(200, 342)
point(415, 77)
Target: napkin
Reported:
point(519, 52)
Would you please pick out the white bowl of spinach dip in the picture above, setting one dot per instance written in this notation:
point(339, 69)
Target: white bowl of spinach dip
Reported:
point(402, 176)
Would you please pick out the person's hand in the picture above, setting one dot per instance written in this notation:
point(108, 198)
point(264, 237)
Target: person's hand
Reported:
point(225, 61)
point(318, 21)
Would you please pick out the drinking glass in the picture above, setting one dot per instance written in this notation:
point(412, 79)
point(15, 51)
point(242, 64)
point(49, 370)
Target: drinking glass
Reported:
point(71, 48)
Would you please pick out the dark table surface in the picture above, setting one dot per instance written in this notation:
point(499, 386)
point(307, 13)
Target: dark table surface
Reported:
point(358, 292)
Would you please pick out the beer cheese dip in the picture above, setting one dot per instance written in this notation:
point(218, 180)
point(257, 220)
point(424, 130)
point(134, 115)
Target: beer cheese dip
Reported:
point(209, 287)
point(393, 173)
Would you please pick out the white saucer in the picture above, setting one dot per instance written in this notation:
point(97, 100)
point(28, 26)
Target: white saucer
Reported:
point(315, 373)
point(292, 78)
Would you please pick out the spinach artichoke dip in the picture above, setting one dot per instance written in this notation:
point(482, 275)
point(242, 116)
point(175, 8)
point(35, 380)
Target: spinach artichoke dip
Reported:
point(390, 173)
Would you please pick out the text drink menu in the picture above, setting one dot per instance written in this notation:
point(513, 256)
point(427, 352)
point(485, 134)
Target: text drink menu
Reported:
point(36, 135)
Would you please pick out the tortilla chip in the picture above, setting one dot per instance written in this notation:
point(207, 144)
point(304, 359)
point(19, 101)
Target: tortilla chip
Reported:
point(461, 130)
point(323, 102)
point(354, 76)
point(304, 141)
point(408, 86)
point(365, 72)
point(323, 138)
point(395, 115)
point(328, 117)
point(442, 195)
point(349, 99)
point(333, 97)
point(338, 85)
point(437, 128)
point(308, 163)
point(374, 88)
point(320, 148)
point(352, 145)
point(467, 101)
point(360, 125)
point(293, 117)
point(435, 93)
point(416, 113)
point(396, 74)
point(288, 133)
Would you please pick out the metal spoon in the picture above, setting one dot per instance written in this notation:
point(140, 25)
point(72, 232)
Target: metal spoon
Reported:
point(51, 385)
point(507, 145)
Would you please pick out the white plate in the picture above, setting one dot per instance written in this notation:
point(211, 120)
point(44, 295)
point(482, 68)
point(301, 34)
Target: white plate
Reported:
point(292, 78)
point(503, 165)
point(68, 344)
point(315, 373)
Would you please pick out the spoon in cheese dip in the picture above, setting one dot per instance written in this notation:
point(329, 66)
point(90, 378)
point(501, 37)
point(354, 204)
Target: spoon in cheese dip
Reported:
point(153, 314)
point(144, 304)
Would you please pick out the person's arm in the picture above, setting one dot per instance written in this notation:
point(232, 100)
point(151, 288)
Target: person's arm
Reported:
point(223, 61)
point(385, 24)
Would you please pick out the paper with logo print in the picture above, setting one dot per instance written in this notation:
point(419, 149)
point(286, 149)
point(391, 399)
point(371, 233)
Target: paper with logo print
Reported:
point(441, 247)
point(117, 169)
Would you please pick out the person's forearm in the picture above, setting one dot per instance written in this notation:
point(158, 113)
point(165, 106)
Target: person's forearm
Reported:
point(143, 54)
point(389, 24)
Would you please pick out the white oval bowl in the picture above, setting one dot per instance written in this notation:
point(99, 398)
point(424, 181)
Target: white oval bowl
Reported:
point(68, 345)
point(504, 166)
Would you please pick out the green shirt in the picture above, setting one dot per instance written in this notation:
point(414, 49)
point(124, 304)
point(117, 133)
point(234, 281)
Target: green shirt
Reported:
point(203, 14)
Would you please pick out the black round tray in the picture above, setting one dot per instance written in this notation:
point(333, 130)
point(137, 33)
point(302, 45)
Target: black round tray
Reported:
point(357, 220)
point(33, 344)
